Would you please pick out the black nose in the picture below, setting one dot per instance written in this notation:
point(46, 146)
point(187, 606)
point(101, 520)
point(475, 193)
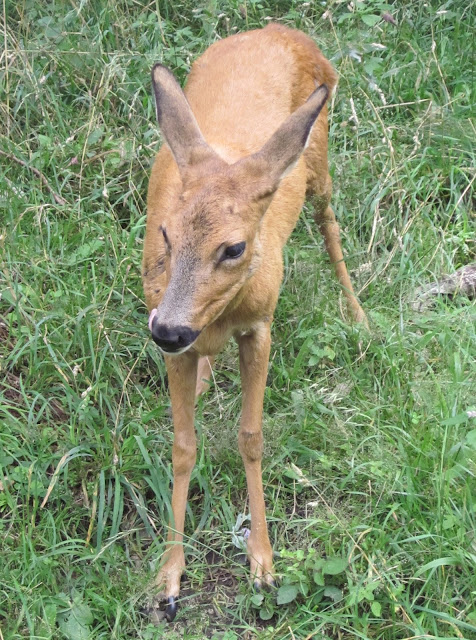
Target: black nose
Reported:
point(172, 339)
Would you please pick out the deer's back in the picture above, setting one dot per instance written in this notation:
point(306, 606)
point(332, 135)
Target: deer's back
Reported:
point(242, 88)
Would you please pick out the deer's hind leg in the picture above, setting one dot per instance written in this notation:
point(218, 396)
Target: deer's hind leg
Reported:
point(204, 374)
point(319, 189)
point(329, 227)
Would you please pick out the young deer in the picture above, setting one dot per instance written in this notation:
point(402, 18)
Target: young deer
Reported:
point(243, 149)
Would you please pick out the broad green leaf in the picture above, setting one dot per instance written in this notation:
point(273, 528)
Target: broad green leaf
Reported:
point(75, 623)
point(319, 578)
point(372, 65)
point(345, 16)
point(266, 614)
point(257, 599)
point(73, 629)
point(50, 614)
point(287, 593)
point(334, 593)
point(471, 617)
point(459, 419)
point(376, 608)
point(45, 141)
point(471, 438)
point(370, 19)
point(449, 522)
point(95, 135)
point(334, 566)
point(83, 613)
point(317, 596)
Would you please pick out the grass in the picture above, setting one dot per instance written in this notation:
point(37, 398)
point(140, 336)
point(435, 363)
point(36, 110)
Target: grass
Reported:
point(370, 456)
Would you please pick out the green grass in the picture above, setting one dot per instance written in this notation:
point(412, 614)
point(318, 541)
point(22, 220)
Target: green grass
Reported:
point(370, 456)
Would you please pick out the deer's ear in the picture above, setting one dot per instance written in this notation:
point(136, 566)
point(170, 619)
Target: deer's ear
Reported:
point(284, 148)
point(280, 154)
point(177, 122)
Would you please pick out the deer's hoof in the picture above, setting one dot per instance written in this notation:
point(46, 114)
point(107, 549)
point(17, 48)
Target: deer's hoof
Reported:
point(269, 584)
point(170, 609)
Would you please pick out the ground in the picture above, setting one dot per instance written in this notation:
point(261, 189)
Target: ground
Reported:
point(369, 466)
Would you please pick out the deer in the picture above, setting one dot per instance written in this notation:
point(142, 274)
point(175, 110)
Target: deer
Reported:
point(243, 146)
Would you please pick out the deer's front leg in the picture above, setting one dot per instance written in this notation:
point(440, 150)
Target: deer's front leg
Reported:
point(182, 375)
point(254, 356)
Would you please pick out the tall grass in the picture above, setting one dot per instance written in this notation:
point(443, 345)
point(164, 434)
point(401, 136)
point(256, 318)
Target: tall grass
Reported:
point(370, 441)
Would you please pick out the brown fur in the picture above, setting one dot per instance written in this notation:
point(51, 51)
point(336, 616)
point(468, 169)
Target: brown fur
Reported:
point(223, 184)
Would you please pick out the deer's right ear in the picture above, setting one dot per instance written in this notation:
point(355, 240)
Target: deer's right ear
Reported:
point(177, 122)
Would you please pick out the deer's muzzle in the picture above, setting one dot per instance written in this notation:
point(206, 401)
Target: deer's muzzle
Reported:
point(171, 339)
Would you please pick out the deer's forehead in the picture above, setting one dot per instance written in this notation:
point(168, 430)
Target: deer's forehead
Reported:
point(220, 195)
point(203, 218)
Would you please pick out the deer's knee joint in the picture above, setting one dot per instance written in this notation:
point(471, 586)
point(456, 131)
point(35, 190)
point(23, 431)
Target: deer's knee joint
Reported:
point(184, 454)
point(323, 214)
point(319, 203)
point(250, 444)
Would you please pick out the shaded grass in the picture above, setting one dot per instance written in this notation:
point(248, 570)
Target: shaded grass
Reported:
point(370, 453)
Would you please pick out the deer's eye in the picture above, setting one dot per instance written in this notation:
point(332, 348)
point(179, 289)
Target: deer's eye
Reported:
point(166, 239)
point(234, 251)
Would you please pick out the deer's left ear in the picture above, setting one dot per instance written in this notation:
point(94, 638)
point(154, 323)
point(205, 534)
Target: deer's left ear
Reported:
point(278, 157)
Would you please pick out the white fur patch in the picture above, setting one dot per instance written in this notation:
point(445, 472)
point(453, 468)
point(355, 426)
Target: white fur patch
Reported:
point(153, 313)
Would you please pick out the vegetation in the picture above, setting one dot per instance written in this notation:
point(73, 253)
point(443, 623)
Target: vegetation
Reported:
point(370, 459)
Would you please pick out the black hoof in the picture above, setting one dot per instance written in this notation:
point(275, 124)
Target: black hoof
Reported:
point(259, 586)
point(170, 609)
